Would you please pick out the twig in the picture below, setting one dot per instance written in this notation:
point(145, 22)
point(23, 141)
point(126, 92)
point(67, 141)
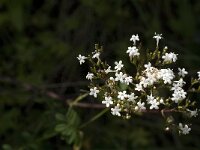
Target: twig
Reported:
point(51, 94)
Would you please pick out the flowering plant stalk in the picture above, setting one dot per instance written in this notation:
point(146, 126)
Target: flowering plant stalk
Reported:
point(128, 94)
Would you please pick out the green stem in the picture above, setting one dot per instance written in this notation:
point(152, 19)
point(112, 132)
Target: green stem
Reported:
point(95, 117)
point(78, 99)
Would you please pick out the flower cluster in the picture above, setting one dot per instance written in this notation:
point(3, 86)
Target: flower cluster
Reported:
point(127, 94)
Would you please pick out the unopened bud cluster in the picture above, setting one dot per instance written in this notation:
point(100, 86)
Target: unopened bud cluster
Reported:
point(128, 94)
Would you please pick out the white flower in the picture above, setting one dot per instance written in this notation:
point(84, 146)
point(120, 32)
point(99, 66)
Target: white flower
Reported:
point(122, 95)
point(96, 55)
point(132, 97)
point(158, 37)
point(184, 130)
point(133, 51)
point(108, 70)
point(140, 106)
point(182, 72)
point(169, 57)
point(116, 111)
point(179, 83)
point(108, 101)
point(119, 65)
point(178, 95)
point(138, 87)
point(128, 80)
point(134, 38)
point(167, 75)
point(154, 104)
point(148, 67)
point(81, 59)
point(120, 77)
point(150, 98)
point(90, 76)
point(94, 91)
point(193, 113)
point(198, 75)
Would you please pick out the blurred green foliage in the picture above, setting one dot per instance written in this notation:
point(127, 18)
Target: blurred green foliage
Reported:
point(39, 42)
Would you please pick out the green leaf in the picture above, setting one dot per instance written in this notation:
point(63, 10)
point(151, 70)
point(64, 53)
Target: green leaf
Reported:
point(60, 117)
point(60, 127)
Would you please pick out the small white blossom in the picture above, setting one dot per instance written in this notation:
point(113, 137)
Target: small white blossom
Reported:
point(140, 106)
point(118, 65)
point(154, 104)
point(116, 111)
point(108, 70)
point(94, 91)
point(150, 98)
point(193, 113)
point(178, 95)
point(148, 67)
point(132, 97)
point(169, 57)
point(108, 101)
point(128, 80)
point(120, 77)
point(96, 55)
point(179, 83)
point(182, 72)
point(167, 75)
point(184, 130)
point(90, 76)
point(198, 75)
point(158, 37)
point(133, 51)
point(122, 95)
point(81, 59)
point(138, 87)
point(134, 38)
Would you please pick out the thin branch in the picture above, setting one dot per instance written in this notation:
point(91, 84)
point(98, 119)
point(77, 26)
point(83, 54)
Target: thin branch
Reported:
point(53, 95)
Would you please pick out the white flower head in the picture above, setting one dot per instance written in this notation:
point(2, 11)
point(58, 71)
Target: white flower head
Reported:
point(120, 77)
point(193, 113)
point(184, 129)
point(118, 65)
point(133, 51)
point(158, 37)
point(132, 97)
point(108, 101)
point(140, 106)
point(81, 59)
point(169, 57)
point(108, 70)
point(116, 111)
point(178, 95)
point(182, 72)
point(122, 95)
point(90, 76)
point(138, 87)
point(148, 66)
point(167, 75)
point(96, 54)
point(94, 91)
point(128, 80)
point(154, 104)
point(134, 38)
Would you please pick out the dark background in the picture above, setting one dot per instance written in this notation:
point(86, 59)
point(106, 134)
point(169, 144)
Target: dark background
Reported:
point(39, 72)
